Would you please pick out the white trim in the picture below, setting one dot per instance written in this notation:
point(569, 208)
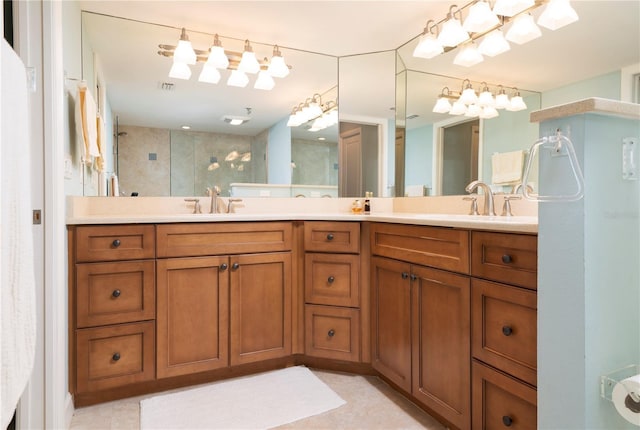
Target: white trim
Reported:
point(69, 409)
point(383, 143)
point(56, 391)
point(627, 85)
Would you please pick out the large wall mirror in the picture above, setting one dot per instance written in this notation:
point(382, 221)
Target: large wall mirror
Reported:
point(155, 155)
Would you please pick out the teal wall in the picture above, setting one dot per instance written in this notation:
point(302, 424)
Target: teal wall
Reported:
point(604, 86)
point(279, 153)
point(419, 156)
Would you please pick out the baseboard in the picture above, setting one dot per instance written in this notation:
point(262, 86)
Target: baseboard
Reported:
point(68, 410)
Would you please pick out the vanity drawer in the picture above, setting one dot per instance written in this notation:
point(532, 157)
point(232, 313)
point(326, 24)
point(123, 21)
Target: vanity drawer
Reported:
point(332, 332)
point(323, 236)
point(332, 279)
point(114, 356)
point(114, 242)
point(499, 401)
point(199, 239)
point(442, 248)
point(504, 321)
point(110, 293)
point(505, 257)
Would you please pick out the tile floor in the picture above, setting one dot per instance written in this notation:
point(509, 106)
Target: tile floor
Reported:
point(371, 404)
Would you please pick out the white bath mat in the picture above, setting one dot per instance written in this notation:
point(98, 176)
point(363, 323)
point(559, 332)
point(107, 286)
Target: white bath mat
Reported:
point(261, 401)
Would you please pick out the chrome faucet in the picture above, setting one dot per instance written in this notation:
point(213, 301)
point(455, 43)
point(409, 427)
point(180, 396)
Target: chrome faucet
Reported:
point(517, 188)
point(488, 196)
point(214, 193)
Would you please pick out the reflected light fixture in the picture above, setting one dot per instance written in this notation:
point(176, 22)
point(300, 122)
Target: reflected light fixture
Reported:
point(494, 44)
point(217, 58)
point(184, 52)
point(238, 78)
point(523, 30)
point(510, 8)
point(180, 71)
point(469, 104)
point(277, 67)
point(264, 81)
point(468, 56)
point(452, 33)
point(557, 14)
point(428, 46)
point(249, 63)
point(209, 74)
point(481, 18)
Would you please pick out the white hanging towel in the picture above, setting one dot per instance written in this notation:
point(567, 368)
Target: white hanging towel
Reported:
point(17, 291)
point(86, 124)
point(506, 167)
point(101, 143)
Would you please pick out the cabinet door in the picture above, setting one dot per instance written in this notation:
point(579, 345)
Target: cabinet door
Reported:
point(260, 307)
point(441, 343)
point(391, 320)
point(192, 315)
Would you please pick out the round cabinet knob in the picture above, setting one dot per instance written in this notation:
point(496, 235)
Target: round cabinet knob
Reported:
point(235, 266)
point(330, 236)
point(413, 277)
point(116, 293)
point(507, 420)
point(116, 356)
point(405, 275)
point(331, 279)
point(507, 330)
point(116, 243)
point(506, 259)
point(223, 266)
point(331, 333)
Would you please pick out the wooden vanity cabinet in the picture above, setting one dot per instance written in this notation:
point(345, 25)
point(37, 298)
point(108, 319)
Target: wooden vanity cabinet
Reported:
point(333, 311)
point(225, 295)
point(112, 306)
point(421, 315)
point(504, 336)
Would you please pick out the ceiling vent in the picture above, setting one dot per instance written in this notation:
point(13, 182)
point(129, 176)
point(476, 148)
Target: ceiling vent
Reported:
point(235, 120)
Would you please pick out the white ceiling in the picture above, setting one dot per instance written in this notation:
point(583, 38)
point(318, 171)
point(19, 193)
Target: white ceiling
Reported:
point(606, 38)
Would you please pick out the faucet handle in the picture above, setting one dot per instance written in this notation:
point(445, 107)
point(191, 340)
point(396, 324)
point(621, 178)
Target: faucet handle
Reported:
point(196, 206)
point(473, 198)
point(232, 201)
point(506, 207)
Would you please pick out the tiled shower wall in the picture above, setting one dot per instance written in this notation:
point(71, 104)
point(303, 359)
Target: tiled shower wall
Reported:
point(161, 162)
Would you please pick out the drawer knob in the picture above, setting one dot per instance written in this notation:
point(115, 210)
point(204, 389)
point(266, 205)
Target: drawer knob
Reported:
point(235, 266)
point(506, 259)
point(331, 333)
point(116, 356)
point(507, 420)
point(507, 330)
point(405, 275)
point(116, 243)
point(331, 279)
point(330, 236)
point(116, 293)
point(413, 277)
point(223, 266)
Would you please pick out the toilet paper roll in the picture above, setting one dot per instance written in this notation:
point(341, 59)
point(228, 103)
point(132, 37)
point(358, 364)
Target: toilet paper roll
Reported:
point(626, 406)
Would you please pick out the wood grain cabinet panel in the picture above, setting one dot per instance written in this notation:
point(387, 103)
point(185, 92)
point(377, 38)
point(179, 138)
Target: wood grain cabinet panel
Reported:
point(442, 248)
point(115, 356)
point(441, 343)
point(332, 332)
point(505, 257)
point(500, 401)
point(260, 307)
point(391, 320)
point(332, 279)
point(203, 239)
point(192, 315)
point(505, 328)
point(331, 236)
point(114, 242)
point(111, 293)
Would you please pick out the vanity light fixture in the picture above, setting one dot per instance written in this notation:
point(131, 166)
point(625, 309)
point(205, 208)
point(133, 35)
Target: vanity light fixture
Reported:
point(313, 109)
point(468, 56)
point(249, 62)
point(216, 59)
point(557, 14)
point(485, 106)
point(428, 46)
point(485, 23)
